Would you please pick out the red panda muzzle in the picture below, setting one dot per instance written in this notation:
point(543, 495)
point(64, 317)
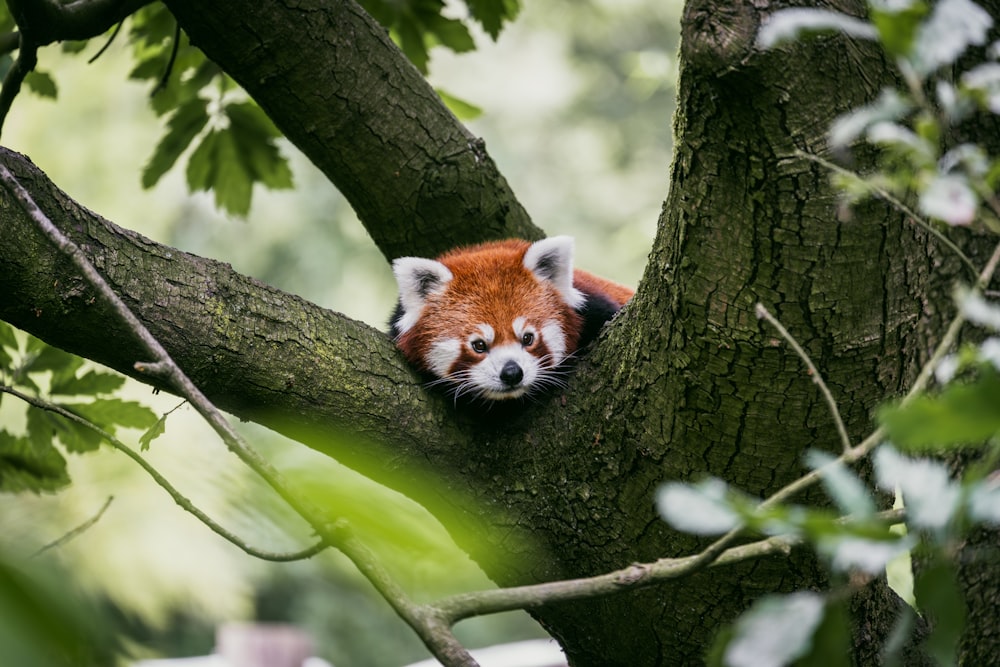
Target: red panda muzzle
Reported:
point(496, 321)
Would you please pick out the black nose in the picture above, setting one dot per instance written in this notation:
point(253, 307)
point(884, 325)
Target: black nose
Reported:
point(511, 374)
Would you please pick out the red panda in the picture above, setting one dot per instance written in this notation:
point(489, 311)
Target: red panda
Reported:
point(495, 321)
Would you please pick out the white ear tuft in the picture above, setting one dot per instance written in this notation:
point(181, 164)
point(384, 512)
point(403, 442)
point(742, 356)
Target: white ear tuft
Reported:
point(552, 260)
point(418, 278)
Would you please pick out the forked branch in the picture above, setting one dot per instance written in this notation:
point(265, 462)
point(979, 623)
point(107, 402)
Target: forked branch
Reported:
point(439, 639)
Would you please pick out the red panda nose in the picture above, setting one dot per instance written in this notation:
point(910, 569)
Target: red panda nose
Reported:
point(511, 374)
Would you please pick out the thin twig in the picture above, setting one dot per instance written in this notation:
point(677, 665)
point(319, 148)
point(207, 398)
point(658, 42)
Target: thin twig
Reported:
point(444, 645)
point(165, 78)
point(900, 206)
point(162, 481)
point(27, 58)
point(465, 605)
point(814, 373)
point(100, 52)
point(76, 532)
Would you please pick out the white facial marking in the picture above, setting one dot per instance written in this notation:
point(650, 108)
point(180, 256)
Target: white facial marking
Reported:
point(442, 355)
point(486, 333)
point(486, 374)
point(555, 340)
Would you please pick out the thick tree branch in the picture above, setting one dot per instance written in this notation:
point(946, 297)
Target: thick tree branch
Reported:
point(48, 21)
point(257, 352)
point(418, 180)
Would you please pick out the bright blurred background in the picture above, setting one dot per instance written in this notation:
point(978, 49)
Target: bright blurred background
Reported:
point(577, 99)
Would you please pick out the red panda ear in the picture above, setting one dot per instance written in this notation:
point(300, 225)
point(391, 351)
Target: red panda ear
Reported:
point(551, 260)
point(418, 279)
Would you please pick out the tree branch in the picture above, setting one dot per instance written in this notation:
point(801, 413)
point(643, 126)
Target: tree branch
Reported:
point(418, 180)
point(48, 21)
point(437, 637)
point(83, 527)
point(27, 58)
point(163, 483)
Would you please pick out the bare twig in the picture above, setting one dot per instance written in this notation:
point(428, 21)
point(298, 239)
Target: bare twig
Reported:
point(637, 575)
point(163, 483)
point(107, 43)
point(76, 532)
point(175, 47)
point(814, 373)
point(438, 637)
point(27, 58)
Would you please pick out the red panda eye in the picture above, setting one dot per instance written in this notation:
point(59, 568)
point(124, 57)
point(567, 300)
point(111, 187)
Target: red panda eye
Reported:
point(479, 346)
point(527, 339)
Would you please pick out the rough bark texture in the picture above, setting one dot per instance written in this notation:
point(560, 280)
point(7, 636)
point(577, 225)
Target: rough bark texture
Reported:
point(685, 383)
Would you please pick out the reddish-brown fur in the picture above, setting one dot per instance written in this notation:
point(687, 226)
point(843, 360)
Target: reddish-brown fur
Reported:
point(490, 284)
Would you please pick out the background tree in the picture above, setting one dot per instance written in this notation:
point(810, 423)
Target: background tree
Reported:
point(685, 383)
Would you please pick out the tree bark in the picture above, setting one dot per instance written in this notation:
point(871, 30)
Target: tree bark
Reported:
point(684, 383)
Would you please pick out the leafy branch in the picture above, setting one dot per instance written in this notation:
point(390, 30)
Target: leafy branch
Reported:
point(162, 482)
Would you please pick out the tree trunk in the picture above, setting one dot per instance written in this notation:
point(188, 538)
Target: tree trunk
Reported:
point(685, 383)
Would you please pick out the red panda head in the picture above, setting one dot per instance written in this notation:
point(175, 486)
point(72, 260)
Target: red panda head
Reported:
point(492, 321)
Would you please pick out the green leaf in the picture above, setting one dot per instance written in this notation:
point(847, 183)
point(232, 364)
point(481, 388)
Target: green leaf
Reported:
point(111, 413)
point(931, 498)
point(451, 33)
point(953, 26)
point(183, 126)
point(251, 120)
point(890, 106)
point(831, 638)
point(938, 596)
point(7, 342)
point(42, 84)
point(43, 426)
point(980, 311)
point(983, 83)
point(848, 553)
point(233, 183)
point(492, 14)
point(951, 199)
point(202, 163)
point(787, 25)
point(843, 486)
point(28, 466)
point(776, 630)
point(984, 501)
point(463, 110)
point(903, 141)
point(254, 134)
point(153, 432)
point(702, 508)
point(7, 337)
point(91, 383)
point(44, 357)
point(962, 414)
point(897, 23)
